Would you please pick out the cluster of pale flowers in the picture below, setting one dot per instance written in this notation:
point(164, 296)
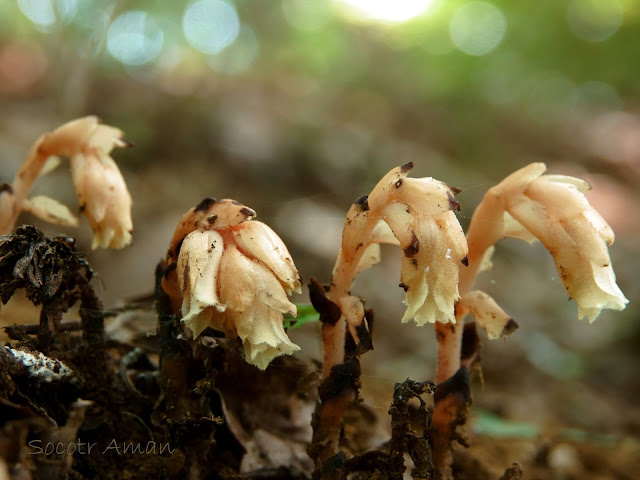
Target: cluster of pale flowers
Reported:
point(233, 274)
point(418, 215)
point(228, 272)
point(101, 189)
point(552, 209)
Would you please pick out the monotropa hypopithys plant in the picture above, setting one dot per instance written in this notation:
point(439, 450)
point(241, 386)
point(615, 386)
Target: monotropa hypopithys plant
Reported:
point(438, 269)
point(101, 190)
point(226, 271)
point(416, 214)
point(530, 206)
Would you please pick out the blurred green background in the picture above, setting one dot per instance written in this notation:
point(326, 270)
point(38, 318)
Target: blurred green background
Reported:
point(297, 107)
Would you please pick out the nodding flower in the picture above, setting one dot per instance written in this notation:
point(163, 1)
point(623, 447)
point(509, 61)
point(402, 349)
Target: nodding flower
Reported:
point(418, 215)
point(553, 209)
point(101, 189)
point(233, 274)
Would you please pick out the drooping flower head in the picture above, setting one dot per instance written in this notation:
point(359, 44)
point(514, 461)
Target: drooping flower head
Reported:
point(553, 209)
point(102, 192)
point(416, 214)
point(231, 273)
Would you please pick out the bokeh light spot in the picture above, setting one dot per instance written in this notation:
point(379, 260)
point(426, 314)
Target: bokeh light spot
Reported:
point(210, 25)
point(40, 12)
point(477, 28)
point(390, 10)
point(594, 20)
point(67, 9)
point(134, 38)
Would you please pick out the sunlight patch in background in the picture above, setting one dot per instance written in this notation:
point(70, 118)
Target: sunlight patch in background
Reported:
point(210, 25)
point(134, 38)
point(477, 28)
point(45, 13)
point(388, 10)
point(595, 20)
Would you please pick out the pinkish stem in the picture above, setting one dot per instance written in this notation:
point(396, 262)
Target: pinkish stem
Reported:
point(449, 338)
point(12, 196)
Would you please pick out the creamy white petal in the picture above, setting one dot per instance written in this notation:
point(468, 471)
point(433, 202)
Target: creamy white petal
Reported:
point(400, 218)
point(103, 197)
point(580, 184)
point(198, 272)
point(382, 233)
point(370, 257)
point(430, 272)
point(50, 165)
point(352, 309)
point(50, 210)
point(256, 301)
point(486, 263)
point(105, 137)
point(513, 229)
point(263, 336)
point(257, 240)
point(489, 315)
point(417, 275)
point(414, 281)
point(554, 213)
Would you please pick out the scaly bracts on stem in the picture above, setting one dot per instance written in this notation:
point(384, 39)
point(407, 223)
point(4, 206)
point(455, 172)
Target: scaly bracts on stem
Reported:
point(416, 214)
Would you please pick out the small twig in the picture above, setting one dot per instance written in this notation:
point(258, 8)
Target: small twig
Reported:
point(91, 313)
point(17, 332)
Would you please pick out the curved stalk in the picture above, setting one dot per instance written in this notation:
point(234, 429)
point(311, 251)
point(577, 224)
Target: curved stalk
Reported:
point(12, 196)
point(333, 336)
point(330, 412)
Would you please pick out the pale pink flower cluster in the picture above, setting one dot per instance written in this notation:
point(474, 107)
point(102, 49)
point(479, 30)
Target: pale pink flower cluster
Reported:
point(101, 189)
point(416, 214)
point(233, 274)
point(553, 209)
